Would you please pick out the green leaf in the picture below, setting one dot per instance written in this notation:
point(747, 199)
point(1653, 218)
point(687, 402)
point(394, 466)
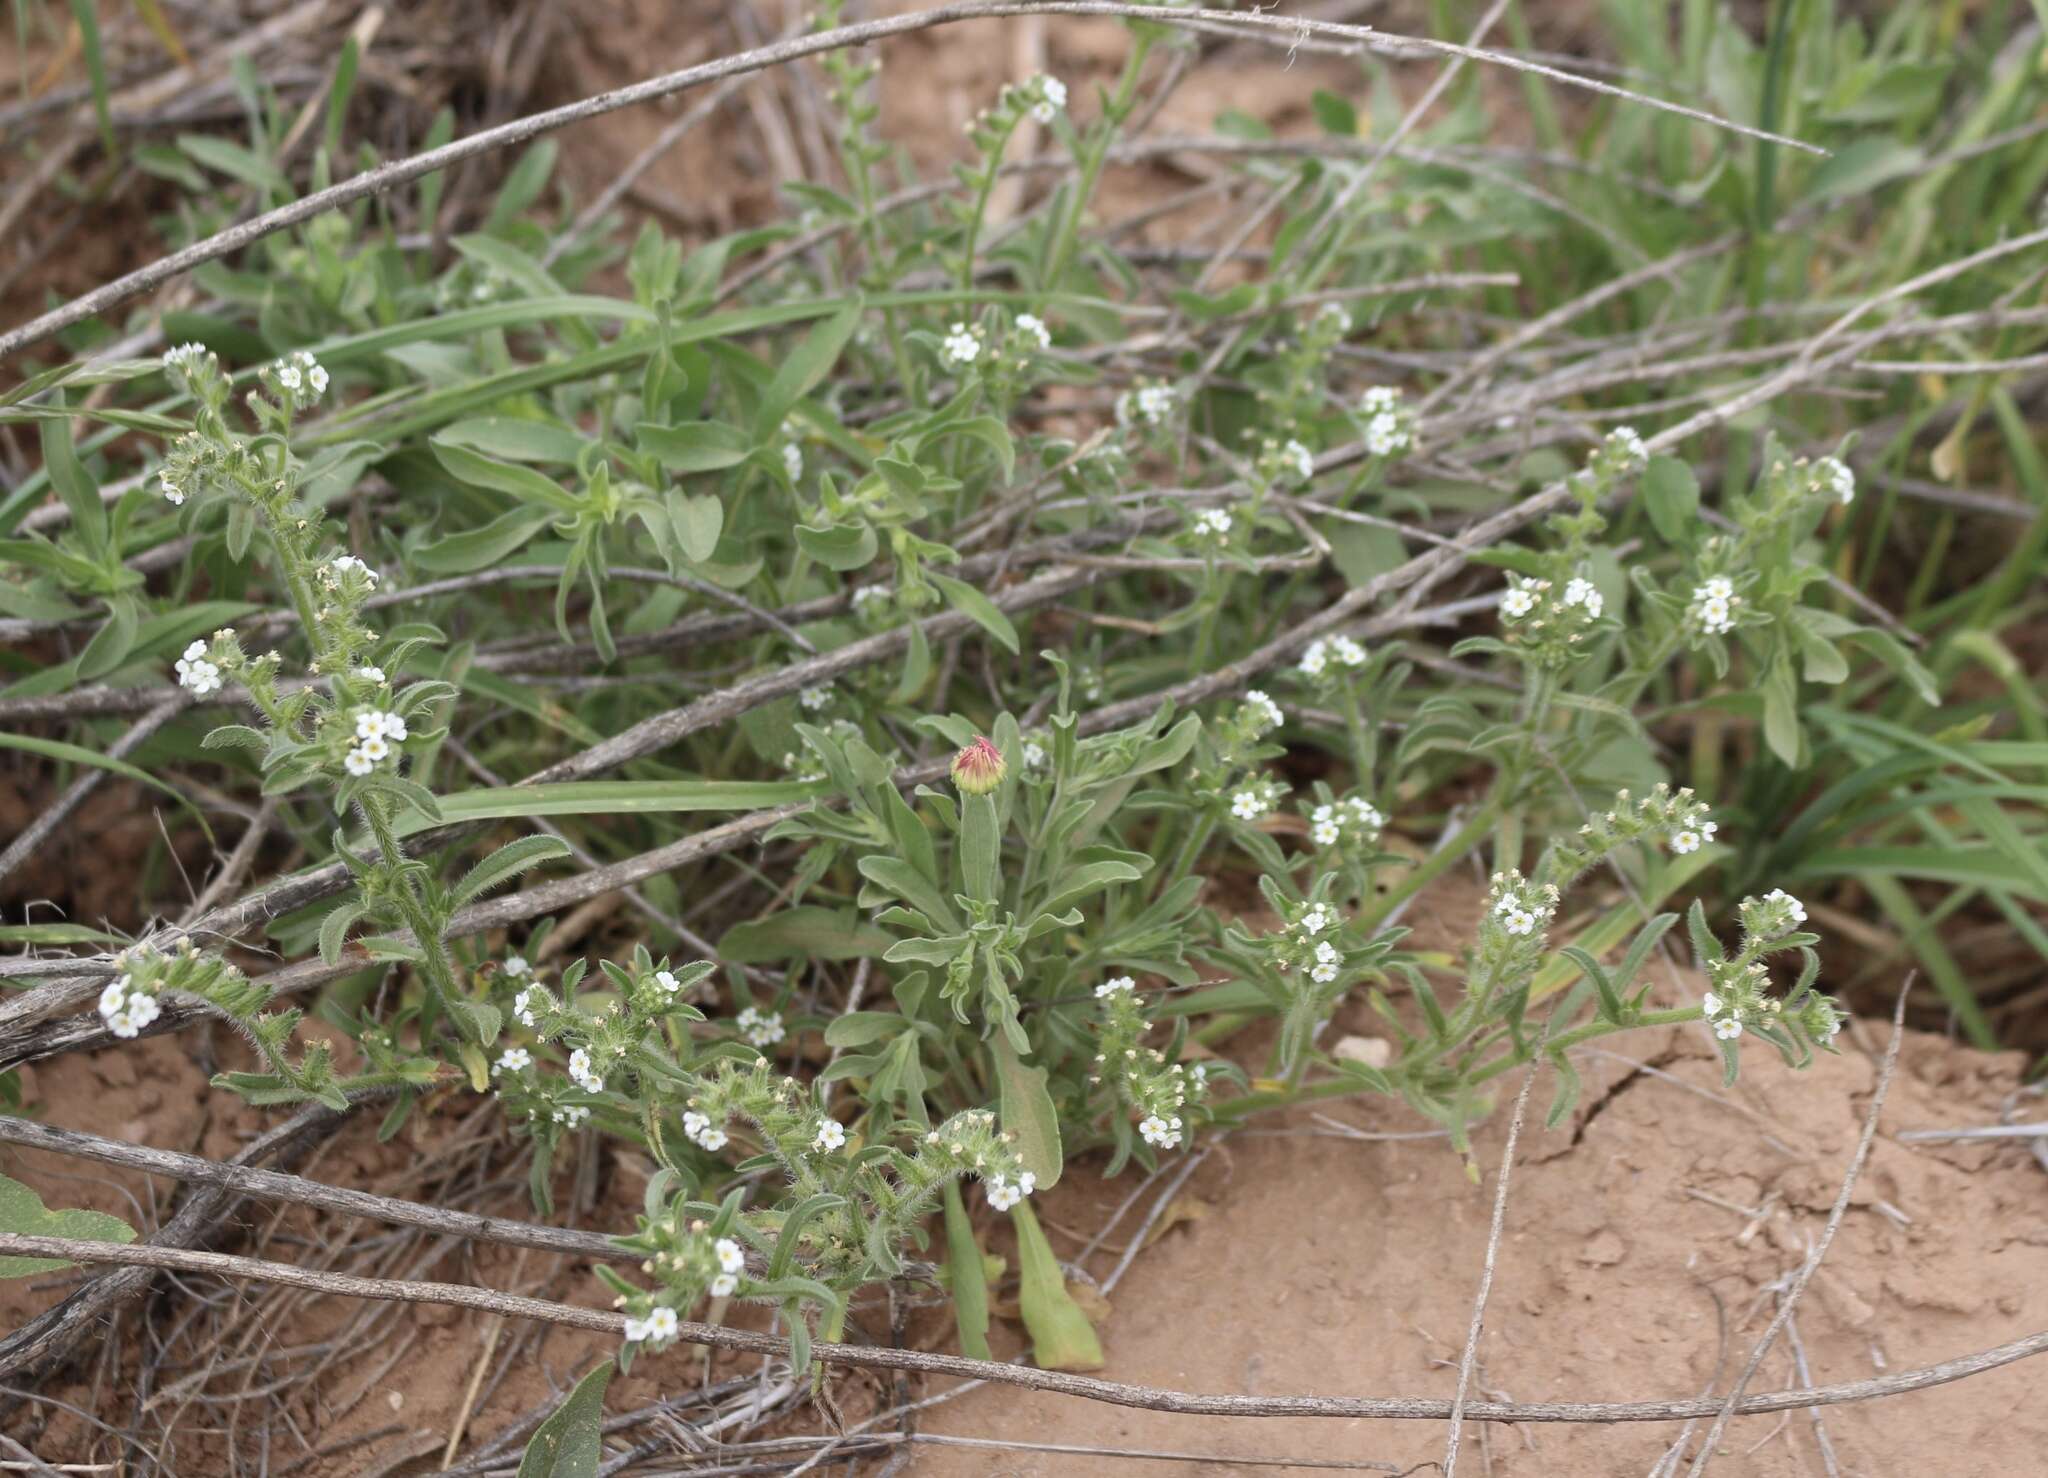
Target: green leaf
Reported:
point(57, 749)
point(86, 14)
point(570, 1443)
point(804, 369)
point(977, 607)
point(612, 798)
point(969, 1282)
point(840, 547)
point(694, 446)
point(1061, 1336)
point(981, 848)
point(1861, 165)
point(1672, 494)
point(234, 161)
point(23, 1213)
point(806, 931)
point(480, 548)
point(698, 520)
point(507, 863)
point(523, 483)
point(1027, 1111)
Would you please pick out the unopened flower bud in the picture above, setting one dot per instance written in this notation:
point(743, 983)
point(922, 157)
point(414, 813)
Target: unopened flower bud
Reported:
point(978, 769)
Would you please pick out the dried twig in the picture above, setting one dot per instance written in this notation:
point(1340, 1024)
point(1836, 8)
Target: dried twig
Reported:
point(1089, 1388)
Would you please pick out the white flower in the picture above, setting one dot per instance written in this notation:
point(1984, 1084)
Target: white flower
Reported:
point(370, 724)
point(358, 763)
point(1003, 1194)
point(571, 1116)
point(731, 1259)
point(1336, 314)
point(1327, 953)
point(1793, 906)
point(1317, 919)
point(1711, 1004)
point(316, 380)
point(1580, 592)
point(694, 1125)
point(112, 997)
point(1214, 522)
point(962, 346)
point(1052, 96)
point(1248, 805)
point(1322, 974)
point(1299, 460)
point(196, 673)
point(831, 1136)
point(667, 981)
point(514, 1059)
point(792, 460)
point(1325, 833)
point(1034, 755)
point(815, 697)
point(724, 1286)
point(865, 595)
point(1151, 404)
point(1728, 1028)
point(761, 1028)
point(1315, 659)
point(662, 1322)
point(373, 749)
point(527, 1005)
point(288, 375)
point(1264, 708)
point(1385, 435)
point(341, 564)
point(1715, 615)
point(1517, 920)
point(394, 728)
point(1685, 840)
point(1347, 652)
point(1032, 327)
point(1379, 400)
point(1833, 477)
point(1623, 441)
point(580, 1072)
point(1114, 984)
point(1165, 1133)
point(1517, 601)
point(636, 1331)
point(516, 965)
point(185, 358)
point(370, 674)
point(173, 494)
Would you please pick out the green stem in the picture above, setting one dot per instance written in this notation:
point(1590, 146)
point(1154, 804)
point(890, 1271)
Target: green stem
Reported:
point(1094, 155)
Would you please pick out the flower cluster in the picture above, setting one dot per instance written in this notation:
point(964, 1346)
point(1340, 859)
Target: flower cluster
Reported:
point(1212, 527)
point(1389, 427)
point(760, 1028)
point(1772, 916)
point(1677, 819)
point(1051, 97)
point(1518, 909)
point(1713, 606)
point(345, 570)
point(1146, 405)
point(1030, 330)
point(1140, 1077)
point(376, 732)
point(1259, 714)
point(1549, 618)
point(125, 1009)
point(1352, 824)
point(1832, 478)
point(962, 346)
point(1309, 946)
point(691, 1261)
point(1621, 454)
point(1330, 656)
point(297, 378)
point(816, 697)
point(1256, 798)
point(197, 671)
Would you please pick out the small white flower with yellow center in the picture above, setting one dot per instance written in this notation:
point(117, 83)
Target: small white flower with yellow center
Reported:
point(1004, 1193)
point(1298, 460)
point(1793, 907)
point(1113, 986)
point(1154, 1130)
point(581, 1073)
point(761, 1028)
point(196, 673)
point(662, 1323)
point(815, 697)
point(357, 763)
point(1263, 709)
point(1213, 523)
point(667, 982)
point(1248, 805)
point(1628, 448)
point(514, 1060)
point(1031, 327)
point(1833, 477)
point(731, 1259)
point(831, 1136)
point(1688, 839)
point(1052, 96)
point(1580, 592)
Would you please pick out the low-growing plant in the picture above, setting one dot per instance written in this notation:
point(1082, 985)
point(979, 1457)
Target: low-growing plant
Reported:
point(781, 538)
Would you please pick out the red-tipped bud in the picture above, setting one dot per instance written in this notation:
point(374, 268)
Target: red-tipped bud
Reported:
point(978, 769)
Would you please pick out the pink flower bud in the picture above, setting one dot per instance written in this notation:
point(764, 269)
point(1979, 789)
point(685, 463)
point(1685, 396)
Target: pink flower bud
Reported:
point(978, 769)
